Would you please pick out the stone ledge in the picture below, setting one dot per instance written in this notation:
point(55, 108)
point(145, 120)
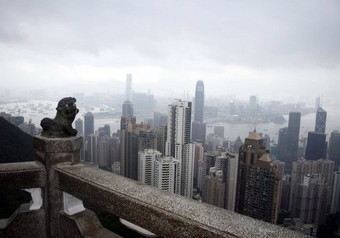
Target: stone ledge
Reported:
point(22, 175)
point(57, 145)
point(163, 213)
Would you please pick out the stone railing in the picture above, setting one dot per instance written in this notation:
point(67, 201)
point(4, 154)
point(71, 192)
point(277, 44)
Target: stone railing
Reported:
point(58, 180)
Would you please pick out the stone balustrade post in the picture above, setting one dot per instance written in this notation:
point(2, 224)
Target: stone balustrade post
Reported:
point(51, 152)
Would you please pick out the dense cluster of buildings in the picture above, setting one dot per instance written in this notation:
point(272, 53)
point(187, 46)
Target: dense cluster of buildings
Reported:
point(255, 178)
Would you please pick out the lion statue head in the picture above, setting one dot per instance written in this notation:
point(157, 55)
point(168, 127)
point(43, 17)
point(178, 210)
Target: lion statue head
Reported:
point(61, 125)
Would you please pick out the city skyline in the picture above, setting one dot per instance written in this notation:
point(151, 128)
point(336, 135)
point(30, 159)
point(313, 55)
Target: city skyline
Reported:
point(291, 48)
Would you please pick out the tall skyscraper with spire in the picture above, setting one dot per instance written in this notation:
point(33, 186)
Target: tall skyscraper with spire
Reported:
point(320, 121)
point(178, 143)
point(198, 126)
point(199, 101)
point(127, 105)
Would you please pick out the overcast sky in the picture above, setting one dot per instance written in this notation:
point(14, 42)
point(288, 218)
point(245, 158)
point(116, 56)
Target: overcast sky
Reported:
point(272, 49)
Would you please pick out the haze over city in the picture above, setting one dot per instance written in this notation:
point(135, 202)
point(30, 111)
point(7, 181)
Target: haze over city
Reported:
point(276, 50)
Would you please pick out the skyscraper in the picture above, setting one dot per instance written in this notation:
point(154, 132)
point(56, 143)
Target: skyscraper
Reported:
point(178, 142)
point(293, 136)
point(252, 105)
point(320, 121)
point(88, 124)
point(334, 148)
point(128, 148)
point(127, 105)
point(289, 141)
point(127, 109)
point(79, 127)
point(258, 183)
point(128, 90)
point(283, 143)
point(199, 101)
point(198, 126)
point(316, 146)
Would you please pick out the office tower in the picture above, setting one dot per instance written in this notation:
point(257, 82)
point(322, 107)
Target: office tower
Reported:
point(293, 138)
point(289, 141)
point(252, 105)
point(88, 124)
point(199, 101)
point(198, 131)
point(335, 204)
point(168, 174)
point(161, 134)
point(79, 127)
point(334, 148)
point(258, 183)
point(198, 126)
point(320, 121)
point(219, 130)
point(310, 200)
point(215, 194)
point(127, 109)
point(316, 146)
point(178, 142)
point(128, 89)
point(283, 143)
point(146, 165)
point(128, 148)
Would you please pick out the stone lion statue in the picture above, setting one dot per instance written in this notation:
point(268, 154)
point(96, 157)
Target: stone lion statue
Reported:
point(61, 125)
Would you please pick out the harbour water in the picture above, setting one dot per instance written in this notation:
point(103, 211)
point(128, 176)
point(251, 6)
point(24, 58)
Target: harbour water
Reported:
point(36, 110)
